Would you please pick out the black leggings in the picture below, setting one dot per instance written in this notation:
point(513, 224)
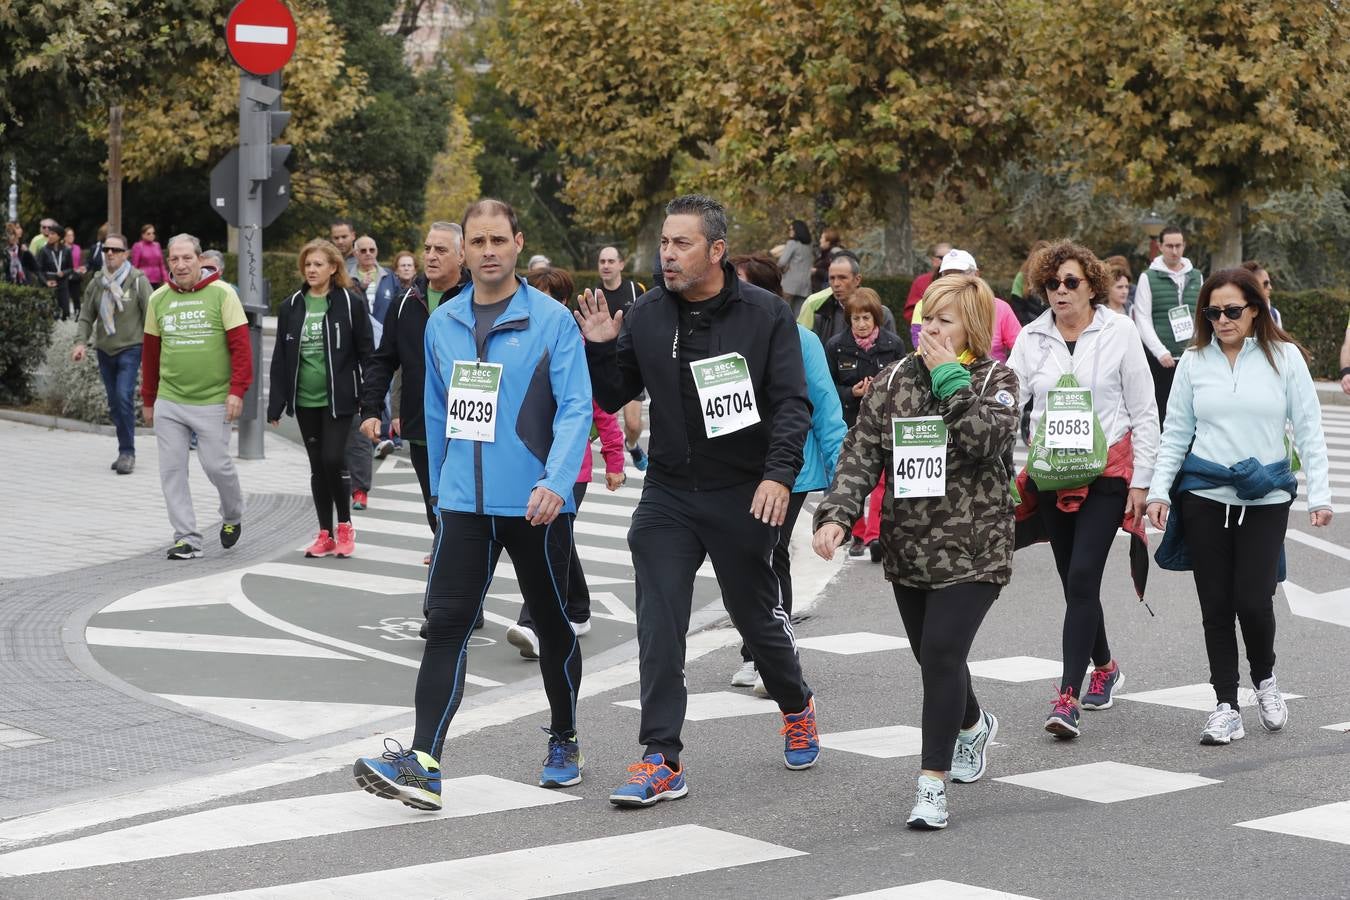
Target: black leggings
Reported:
point(1235, 558)
point(326, 443)
point(1081, 542)
point(782, 558)
point(578, 593)
point(466, 553)
point(417, 451)
point(941, 626)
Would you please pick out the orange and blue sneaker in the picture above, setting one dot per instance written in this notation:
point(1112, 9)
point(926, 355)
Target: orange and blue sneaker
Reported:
point(562, 765)
point(409, 776)
point(801, 741)
point(650, 781)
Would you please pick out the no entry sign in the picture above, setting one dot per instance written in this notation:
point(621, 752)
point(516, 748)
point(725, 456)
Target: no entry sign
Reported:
point(261, 35)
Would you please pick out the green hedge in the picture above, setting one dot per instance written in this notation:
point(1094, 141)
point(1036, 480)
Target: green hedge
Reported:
point(893, 290)
point(25, 333)
point(1317, 319)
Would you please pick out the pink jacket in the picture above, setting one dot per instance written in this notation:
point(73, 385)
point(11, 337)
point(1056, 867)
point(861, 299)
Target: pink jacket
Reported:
point(611, 444)
point(1006, 330)
point(149, 258)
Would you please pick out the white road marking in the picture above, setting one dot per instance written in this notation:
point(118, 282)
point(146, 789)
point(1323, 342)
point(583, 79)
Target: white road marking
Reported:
point(542, 871)
point(339, 576)
point(1332, 606)
point(206, 643)
point(251, 824)
point(1325, 546)
point(853, 643)
point(1324, 823)
point(295, 719)
point(1108, 782)
point(1199, 697)
point(718, 705)
point(936, 890)
point(888, 742)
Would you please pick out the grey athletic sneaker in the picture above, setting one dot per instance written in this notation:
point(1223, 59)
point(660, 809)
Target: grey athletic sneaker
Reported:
point(970, 758)
point(930, 805)
point(1270, 706)
point(744, 676)
point(1223, 726)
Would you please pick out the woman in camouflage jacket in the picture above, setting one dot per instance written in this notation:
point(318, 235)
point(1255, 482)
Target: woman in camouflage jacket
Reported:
point(946, 556)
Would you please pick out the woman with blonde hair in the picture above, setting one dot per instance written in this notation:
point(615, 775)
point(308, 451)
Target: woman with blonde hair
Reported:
point(324, 339)
point(941, 421)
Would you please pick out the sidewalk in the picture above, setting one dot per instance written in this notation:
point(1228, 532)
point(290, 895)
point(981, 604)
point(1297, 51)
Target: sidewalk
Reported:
point(72, 511)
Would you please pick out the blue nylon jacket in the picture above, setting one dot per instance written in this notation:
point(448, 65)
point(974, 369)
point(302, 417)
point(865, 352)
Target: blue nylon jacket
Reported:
point(544, 405)
point(1251, 481)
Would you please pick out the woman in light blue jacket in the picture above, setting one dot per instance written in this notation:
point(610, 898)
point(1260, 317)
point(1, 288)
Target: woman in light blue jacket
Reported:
point(1223, 471)
point(819, 453)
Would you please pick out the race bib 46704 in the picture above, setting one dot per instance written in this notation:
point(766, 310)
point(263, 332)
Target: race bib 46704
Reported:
point(725, 394)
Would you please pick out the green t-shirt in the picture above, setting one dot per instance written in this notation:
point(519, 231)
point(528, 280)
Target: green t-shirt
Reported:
point(194, 357)
point(312, 383)
point(433, 299)
point(37, 243)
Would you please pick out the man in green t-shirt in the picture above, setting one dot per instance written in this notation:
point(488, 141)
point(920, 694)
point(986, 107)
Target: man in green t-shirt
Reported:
point(197, 364)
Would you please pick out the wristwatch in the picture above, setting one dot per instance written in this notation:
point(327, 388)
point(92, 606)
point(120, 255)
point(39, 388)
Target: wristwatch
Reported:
point(1345, 370)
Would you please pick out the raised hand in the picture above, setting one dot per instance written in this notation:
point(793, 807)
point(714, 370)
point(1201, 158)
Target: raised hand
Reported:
point(592, 314)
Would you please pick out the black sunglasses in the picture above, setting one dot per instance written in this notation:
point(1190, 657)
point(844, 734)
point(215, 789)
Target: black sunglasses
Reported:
point(114, 249)
point(1070, 282)
point(1233, 312)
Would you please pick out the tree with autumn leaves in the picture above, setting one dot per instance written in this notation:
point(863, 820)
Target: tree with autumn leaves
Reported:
point(1209, 105)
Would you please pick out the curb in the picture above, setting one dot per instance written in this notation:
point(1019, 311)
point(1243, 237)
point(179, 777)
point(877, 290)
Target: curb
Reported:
point(1330, 392)
point(44, 420)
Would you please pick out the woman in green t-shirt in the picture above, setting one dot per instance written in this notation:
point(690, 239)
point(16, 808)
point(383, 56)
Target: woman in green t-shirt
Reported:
point(324, 339)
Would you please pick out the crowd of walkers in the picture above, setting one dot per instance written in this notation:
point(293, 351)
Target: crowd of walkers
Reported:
point(1177, 400)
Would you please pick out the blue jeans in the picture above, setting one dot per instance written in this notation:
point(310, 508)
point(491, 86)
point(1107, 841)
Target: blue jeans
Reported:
point(119, 372)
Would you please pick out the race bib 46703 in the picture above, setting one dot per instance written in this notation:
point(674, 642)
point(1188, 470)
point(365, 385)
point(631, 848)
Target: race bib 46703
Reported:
point(919, 457)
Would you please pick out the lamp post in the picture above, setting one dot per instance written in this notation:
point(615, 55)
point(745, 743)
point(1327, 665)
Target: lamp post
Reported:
point(1152, 223)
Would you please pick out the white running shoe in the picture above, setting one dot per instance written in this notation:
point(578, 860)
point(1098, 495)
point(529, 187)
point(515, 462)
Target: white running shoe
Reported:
point(930, 805)
point(1270, 706)
point(970, 759)
point(580, 628)
point(1223, 726)
point(744, 676)
point(759, 690)
point(524, 640)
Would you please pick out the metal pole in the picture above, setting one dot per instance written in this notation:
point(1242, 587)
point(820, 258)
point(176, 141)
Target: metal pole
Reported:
point(253, 140)
point(13, 190)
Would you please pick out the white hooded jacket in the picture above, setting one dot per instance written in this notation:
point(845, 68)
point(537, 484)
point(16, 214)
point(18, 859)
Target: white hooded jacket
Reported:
point(1142, 311)
point(1109, 360)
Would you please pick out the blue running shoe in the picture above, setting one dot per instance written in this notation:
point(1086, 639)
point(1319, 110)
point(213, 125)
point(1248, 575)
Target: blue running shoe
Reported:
point(562, 765)
point(801, 741)
point(639, 457)
point(970, 756)
point(409, 776)
point(650, 781)
point(1063, 719)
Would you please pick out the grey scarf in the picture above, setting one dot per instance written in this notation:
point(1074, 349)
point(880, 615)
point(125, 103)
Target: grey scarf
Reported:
point(111, 303)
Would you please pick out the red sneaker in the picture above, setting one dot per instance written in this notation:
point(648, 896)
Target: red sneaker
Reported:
point(323, 546)
point(346, 540)
point(359, 501)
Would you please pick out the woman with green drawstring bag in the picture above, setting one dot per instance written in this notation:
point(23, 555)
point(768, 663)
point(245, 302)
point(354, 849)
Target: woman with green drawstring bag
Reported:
point(1068, 449)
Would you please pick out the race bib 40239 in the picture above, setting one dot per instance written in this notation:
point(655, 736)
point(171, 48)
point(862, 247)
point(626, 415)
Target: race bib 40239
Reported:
point(725, 394)
point(919, 457)
point(471, 403)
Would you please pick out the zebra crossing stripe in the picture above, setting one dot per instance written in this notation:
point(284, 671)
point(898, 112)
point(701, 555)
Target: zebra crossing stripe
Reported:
point(546, 871)
point(251, 824)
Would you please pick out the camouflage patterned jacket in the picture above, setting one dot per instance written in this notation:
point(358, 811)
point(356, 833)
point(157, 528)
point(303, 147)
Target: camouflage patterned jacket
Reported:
point(934, 542)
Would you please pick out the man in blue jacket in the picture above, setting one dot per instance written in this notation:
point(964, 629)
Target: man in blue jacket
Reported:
point(508, 413)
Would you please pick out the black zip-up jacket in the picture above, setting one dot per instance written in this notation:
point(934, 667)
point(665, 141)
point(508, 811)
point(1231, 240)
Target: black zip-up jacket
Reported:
point(348, 343)
point(850, 364)
point(752, 322)
point(403, 346)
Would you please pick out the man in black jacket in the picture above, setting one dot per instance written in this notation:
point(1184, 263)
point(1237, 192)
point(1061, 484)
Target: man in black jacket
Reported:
point(729, 415)
point(401, 346)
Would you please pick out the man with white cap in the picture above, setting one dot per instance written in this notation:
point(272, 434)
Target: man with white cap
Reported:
point(1006, 326)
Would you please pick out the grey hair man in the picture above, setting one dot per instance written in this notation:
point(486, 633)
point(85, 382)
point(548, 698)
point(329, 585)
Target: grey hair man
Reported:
point(197, 364)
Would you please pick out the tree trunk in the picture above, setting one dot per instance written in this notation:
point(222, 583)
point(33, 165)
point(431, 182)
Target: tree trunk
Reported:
point(1229, 251)
point(897, 234)
point(643, 256)
point(115, 169)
